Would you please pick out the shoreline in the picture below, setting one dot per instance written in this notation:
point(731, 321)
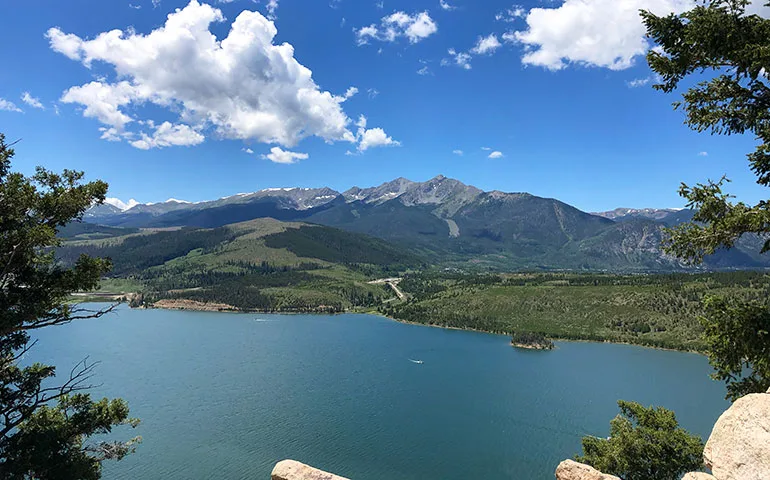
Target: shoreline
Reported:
point(202, 307)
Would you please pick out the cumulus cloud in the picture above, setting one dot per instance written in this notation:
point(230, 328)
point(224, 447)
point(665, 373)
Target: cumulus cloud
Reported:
point(446, 6)
point(375, 137)
point(9, 106)
point(486, 45)
point(32, 101)
point(352, 91)
point(703, 154)
point(167, 135)
point(458, 152)
point(415, 27)
point(496, 154)
point(277, 155)
point(598, 33)
point(510, 15)
point(461, 59)
point(241, 87)
point(372, 137)
point(248, 150)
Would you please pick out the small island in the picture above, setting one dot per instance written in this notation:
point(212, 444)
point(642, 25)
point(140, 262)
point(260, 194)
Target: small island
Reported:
point(531, 341)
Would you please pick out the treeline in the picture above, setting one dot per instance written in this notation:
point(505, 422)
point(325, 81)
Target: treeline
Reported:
point(136, 253)
point(654, 310)
point(337, 246)
point(531, 340)
point(261, 286)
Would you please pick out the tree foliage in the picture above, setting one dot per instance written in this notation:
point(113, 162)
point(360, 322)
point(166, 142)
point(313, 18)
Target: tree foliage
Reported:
point(717, 37)
point(46, 428)
point(738, 340)
point(644, 443)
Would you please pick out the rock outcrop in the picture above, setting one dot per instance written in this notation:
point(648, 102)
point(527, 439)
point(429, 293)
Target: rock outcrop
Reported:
point(739, 445)
point(698, 476)
point(571, 470)
point(738, 448)
point(292, 470)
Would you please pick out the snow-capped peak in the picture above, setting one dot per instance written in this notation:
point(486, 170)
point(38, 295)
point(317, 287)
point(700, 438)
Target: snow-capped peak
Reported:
point(120, 204)
point(176, 201)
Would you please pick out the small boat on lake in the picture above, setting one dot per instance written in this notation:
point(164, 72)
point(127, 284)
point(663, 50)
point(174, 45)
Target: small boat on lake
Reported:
point(419, 362)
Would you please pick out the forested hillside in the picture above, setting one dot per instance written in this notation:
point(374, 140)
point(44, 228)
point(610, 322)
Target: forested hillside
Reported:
point(654, 310)
point(453, 224)
point(258, 265)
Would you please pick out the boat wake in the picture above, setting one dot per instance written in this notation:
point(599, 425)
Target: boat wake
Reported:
point(418, 362)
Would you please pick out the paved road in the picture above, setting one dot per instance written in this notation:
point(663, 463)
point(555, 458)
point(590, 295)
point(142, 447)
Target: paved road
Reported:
point(393, 282)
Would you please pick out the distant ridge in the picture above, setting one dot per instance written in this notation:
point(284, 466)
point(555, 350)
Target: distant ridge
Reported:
point(455, 224)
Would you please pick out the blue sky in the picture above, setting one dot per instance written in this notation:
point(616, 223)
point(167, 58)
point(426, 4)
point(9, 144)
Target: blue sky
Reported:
point(182, 106)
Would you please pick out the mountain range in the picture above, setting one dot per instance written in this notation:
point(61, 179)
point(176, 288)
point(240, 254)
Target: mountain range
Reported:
point(453, 224)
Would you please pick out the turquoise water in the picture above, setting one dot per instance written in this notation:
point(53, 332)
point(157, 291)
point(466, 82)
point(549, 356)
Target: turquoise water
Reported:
point(226, 396)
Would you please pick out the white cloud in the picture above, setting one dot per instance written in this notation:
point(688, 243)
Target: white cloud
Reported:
point(352, 91)
point(380, 4)
point(168, 135)
point(102, 101)
point(111, 134)
point(271, 7)
point(65, 43)
point(461, 59)
point(242, 86)
point(9, 106)
point(511, 14)
point(372, 137)
point(444, 5)
point(248, 150)
point(375, 137)
point(458, 152)
point(424, 70)
point(277, 155)
point(364, 34)
point(496, 154)
point(135, 7)
point(638, 82)
point(415, 27)
point(598, 33)
point(486, 45)
point(372, 92)
point(32, 101)
point(486, 149)
point(703, 154)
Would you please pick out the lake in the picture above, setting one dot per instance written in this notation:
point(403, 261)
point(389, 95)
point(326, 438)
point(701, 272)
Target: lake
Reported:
point(226, 396)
